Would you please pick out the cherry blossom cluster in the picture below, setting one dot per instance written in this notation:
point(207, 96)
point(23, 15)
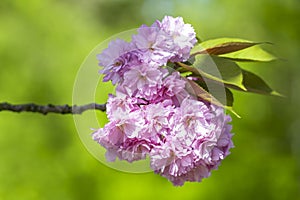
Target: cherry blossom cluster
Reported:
point(152, 114)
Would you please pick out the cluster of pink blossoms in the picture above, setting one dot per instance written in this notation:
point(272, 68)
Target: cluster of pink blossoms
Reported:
point(152, 113)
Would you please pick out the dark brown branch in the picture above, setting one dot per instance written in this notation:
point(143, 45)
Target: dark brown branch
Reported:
point(45, 109)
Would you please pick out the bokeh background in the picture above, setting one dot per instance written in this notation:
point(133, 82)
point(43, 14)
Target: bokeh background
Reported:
point(42, 45)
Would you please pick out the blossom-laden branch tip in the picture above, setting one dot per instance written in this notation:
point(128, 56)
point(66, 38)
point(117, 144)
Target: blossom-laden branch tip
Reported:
point(167, 104)
point(155, 111)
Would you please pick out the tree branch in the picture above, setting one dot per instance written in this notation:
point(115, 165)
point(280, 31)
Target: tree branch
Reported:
point(45, 109)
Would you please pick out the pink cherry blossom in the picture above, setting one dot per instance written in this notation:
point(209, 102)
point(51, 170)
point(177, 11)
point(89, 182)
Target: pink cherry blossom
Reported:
point(153, 114)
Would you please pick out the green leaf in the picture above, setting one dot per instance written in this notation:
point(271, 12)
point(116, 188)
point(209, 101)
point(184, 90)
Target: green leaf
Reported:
point(221, 93)
point(255, 84)
point(252, 54)
point(221, 46)
point(224, 96)
point(235, 49)
point(198, 40)
point(229, 97)
point(197, 90)
point(217, 69)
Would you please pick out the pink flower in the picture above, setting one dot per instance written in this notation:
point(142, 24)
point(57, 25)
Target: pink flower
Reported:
point(116, 60)
point(183, 37)
point(195, 145)
point(173, 88)
point(134, 149)
point(151, 44)
point(157, 121)
point(120, 104)
point(141, 76)
point(173, 158)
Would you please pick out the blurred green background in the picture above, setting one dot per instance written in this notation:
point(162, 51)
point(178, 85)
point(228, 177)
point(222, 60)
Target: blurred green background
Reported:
point(42, 45)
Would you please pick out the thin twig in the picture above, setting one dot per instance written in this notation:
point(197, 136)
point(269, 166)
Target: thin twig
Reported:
point(50, 108)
